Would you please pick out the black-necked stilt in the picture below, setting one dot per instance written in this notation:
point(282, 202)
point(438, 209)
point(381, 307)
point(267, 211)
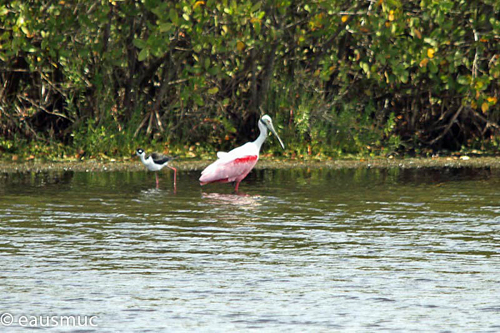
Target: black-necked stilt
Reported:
point(156, 162)
point(235, 165)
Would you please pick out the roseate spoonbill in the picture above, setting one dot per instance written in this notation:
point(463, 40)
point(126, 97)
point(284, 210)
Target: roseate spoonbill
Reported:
point(156, 162)
point(235, 165)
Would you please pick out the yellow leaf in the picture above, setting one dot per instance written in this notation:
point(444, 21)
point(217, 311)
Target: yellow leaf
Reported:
point(430, 52)
point(473, 104)
point(198, 3)
point(240, 45)
point(344, 18)
point(492, 100)
point(387, 24)
point(391, 15)
point(485, 106)
point(254, 19)
point(424, 62)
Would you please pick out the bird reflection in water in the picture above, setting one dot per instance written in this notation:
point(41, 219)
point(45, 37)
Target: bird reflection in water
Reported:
point(242, 201)
point(154, 195)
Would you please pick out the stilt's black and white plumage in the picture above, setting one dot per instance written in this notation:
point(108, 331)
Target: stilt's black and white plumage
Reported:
point(156, 162)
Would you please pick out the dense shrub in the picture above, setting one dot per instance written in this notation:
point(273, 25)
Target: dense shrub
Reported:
point(339, 77)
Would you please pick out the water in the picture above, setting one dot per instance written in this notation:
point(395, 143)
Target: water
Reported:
point(299, 250)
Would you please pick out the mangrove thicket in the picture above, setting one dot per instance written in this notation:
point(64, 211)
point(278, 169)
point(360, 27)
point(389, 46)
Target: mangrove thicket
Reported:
point(81, 77)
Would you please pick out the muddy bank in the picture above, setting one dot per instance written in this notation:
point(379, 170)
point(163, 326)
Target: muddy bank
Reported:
point(135, 165)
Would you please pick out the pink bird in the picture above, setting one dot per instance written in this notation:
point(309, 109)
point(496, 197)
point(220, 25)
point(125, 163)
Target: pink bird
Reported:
point(235, 165)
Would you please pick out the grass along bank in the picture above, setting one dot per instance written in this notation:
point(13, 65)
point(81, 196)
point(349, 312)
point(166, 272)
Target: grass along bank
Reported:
point(134, 164)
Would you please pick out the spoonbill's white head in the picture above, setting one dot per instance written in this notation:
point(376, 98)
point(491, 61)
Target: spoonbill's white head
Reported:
point(268, 123)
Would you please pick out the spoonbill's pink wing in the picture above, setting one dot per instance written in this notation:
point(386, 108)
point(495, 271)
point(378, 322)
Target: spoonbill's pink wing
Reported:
point(228, 170)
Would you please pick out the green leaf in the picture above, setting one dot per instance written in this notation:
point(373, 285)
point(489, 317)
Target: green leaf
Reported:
point(433, 67)
point(213, 91)
point(143, 54)
point(464, 80)
point(197, 48)
point(173, 16)
point(394, 3)
point(25, 30)
point(197, 98)
point(139, 43)
point(3, 10)
point(256, 6)
point(214, 70)
point(365, 67)
point(257, 27)
point(404, 76)
point(165, 27)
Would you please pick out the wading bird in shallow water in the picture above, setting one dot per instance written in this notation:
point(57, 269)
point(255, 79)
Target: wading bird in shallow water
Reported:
point(235, 165)
point(156, 162)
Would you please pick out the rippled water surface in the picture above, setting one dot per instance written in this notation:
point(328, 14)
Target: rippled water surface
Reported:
point(299, 250)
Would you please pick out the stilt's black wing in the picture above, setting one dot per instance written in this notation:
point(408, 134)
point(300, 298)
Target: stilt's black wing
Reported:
point(161, 159)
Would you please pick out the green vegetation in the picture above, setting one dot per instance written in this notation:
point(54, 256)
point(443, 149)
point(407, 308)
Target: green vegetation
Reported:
point(340, 78)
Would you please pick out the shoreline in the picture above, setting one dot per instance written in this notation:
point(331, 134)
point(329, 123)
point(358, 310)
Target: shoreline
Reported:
point(198, 165)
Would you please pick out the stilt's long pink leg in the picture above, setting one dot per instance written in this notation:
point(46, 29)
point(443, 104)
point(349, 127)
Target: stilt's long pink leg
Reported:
point(175, 174)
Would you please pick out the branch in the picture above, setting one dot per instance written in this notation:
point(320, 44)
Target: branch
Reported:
point(44, 109)
point(488, 123)
point(447, 128)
